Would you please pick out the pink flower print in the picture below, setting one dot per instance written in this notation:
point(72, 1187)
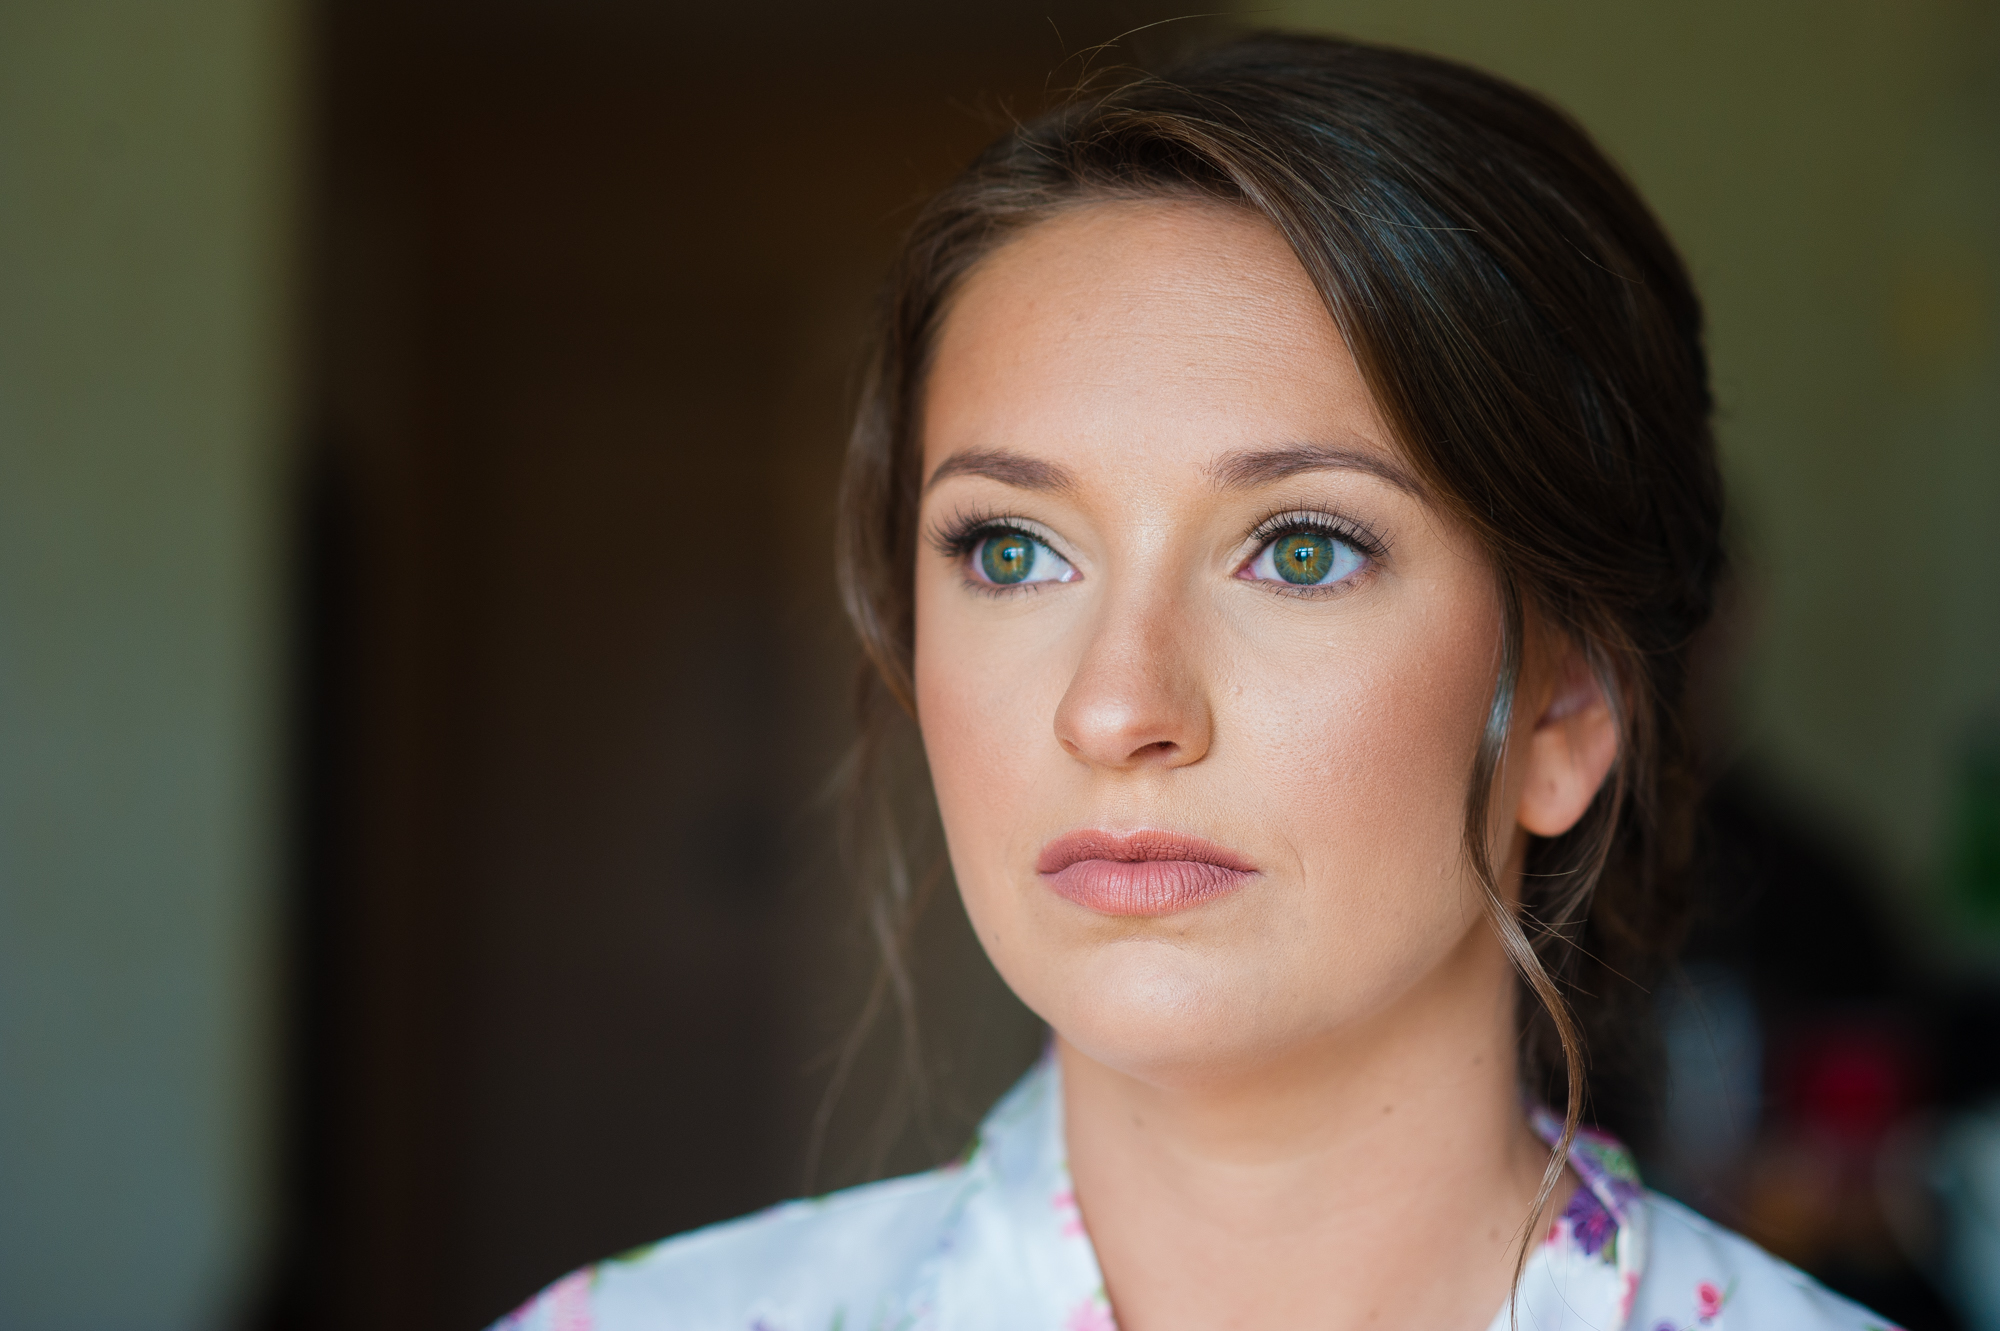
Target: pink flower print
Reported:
point(567, 1303)
point(1707, 1301)
point(1093, 1314)
point(1065, 1206)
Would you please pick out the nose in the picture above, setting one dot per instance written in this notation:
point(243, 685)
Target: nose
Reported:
point(1139, 697)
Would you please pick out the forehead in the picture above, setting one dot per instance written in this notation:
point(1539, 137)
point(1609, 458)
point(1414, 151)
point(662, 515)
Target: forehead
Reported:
point(1143, 331)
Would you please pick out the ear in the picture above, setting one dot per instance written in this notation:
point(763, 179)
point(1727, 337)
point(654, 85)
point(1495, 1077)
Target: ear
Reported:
point(1570, 751)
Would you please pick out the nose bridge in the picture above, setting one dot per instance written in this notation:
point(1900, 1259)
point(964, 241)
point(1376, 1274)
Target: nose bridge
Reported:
point(1139, 696)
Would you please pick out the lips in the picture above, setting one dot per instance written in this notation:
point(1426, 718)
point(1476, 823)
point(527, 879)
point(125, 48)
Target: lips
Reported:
point(1140, 873)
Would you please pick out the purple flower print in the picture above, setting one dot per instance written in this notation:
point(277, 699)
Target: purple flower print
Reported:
point(1589, 1222)
point(1598, 1158)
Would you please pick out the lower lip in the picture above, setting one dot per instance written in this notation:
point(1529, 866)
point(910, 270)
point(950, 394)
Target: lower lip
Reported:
point(1144, 887)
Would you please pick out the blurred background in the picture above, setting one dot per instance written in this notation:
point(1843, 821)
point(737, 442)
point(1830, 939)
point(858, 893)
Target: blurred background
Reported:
point(416, 872)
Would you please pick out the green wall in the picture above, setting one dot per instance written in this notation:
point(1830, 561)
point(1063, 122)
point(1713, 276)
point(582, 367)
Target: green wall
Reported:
point(1832, 172)
point(145, 186)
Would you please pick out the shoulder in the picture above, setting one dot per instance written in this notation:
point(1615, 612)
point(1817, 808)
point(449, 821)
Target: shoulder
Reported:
point(851, 1259)
point(1700, 1275)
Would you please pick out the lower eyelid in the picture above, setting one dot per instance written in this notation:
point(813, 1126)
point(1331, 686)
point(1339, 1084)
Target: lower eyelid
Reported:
point(1313, 590)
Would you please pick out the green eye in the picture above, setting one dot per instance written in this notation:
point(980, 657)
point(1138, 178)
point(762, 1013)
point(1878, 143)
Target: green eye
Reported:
point(1303, 557)
point(1008, 558)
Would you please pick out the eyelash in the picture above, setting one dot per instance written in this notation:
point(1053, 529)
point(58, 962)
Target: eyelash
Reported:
point(1356, 534)
point(959, 535)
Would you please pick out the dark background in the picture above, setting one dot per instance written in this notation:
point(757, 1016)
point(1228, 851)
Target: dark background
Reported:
point(575, 940)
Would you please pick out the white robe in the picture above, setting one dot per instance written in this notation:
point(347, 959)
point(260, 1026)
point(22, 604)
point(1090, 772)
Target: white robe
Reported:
point(995, 1243)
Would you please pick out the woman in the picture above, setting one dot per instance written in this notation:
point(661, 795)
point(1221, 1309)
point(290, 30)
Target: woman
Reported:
point(1284, 496)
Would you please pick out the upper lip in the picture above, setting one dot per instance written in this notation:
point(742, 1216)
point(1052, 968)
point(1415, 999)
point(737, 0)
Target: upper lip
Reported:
point(1133, 847)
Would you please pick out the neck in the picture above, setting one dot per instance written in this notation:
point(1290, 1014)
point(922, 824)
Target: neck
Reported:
point(1384, 1172)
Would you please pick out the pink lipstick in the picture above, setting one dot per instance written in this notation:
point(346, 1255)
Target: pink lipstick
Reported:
point(1140, 873)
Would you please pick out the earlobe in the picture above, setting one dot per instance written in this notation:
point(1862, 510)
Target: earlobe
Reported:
point(1570, 753)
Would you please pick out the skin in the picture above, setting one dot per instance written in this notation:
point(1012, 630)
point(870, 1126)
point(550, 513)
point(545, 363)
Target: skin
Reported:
point(1294, 1104)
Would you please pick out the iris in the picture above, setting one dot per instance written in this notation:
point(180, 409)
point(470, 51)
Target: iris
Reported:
point(1008, 558)
point(1304, 558)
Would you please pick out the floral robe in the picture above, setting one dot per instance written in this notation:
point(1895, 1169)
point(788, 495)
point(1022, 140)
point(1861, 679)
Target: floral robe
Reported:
point(995, 1243)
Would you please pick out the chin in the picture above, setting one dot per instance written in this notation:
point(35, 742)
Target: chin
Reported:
point(1164, 1014)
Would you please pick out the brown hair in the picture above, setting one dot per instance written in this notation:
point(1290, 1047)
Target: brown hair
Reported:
point(1535, 344)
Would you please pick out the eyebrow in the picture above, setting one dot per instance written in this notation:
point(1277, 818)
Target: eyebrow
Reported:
point(1250, 468)
point(1241, 470)
point(997, 464)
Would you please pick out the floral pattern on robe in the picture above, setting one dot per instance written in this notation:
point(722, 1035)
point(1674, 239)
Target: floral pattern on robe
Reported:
point(995, 1242)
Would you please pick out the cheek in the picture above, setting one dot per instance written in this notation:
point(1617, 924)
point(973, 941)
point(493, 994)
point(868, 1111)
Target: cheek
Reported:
point(984, 711)
point(1369, 754)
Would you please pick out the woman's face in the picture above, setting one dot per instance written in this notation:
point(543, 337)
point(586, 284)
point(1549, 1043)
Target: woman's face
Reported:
point(1200, 670)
